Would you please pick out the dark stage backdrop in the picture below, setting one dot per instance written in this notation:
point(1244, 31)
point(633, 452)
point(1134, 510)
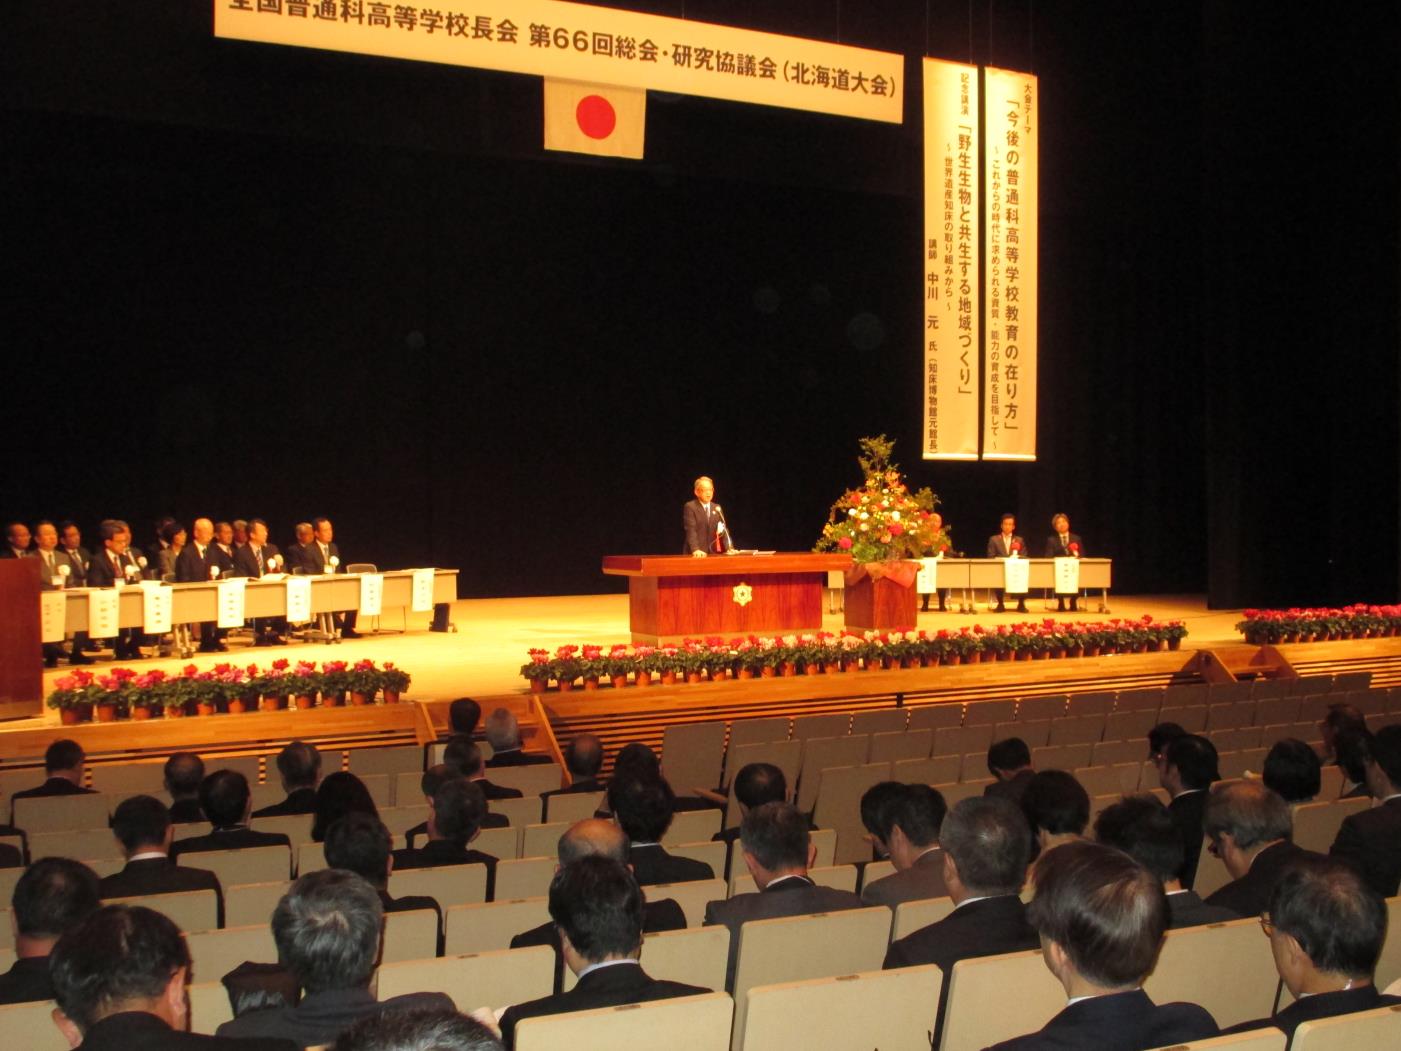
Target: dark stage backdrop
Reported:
point(243, 280)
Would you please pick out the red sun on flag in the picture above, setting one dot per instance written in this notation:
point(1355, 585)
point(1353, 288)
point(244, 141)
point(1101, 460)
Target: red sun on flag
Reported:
point(600, 119)
point(596, 116)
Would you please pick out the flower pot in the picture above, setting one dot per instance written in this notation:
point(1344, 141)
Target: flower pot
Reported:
point(668, 678)
point(812, 669)
point(333, 700)
point(767, 672)
point(1076, 651)
point(833, 667)
point(270, 703)
point(141, 711)
point(305, 700)
point(932, 660)
point(359, 698)
point(70, 716)
point(619, 681)
point(1040, 655)
point(790, 668)
point(644, 678)
point(1057, 654)
point(871, 664)
point(175, 711)
point(238, 705)
point(591, 682)
point(973, 657)
point(746, 673)
point(391, 696)
point(565, 685)
point(105, 713)
point(1091, 651)
point(1023, 655)
point(206, 708)
point(1174, 644)
point(953, 658)
point(720, 674)
point(538, 685)
point(1141, 647)
point(693, 676)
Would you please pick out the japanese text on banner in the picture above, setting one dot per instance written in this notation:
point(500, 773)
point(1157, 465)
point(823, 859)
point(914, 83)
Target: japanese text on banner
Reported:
point(298, 599)
point(157, 601)
point(422, 591)
point(104, 618)
point(231, 602)
point(371, 594)
point(1016, 576)
point(53, 609)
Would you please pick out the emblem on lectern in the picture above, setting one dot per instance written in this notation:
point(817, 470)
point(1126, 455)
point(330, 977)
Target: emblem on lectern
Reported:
point(743, 594)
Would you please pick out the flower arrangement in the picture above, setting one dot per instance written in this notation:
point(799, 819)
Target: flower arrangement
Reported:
point(1359, 621)
point(882, 520)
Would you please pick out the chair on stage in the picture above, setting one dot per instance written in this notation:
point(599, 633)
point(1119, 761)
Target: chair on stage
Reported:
point(370, 567)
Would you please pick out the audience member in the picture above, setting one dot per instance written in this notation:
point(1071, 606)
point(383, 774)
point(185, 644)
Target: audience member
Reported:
point(1292, 769)
point(1340, 717)
point(183, 773)
point(142, 826)
point(1353, 747)
point(1187, 769)
point(226, 802)
point(464, 756)
point(1326, 929)
point(1101, 917)
point(339, 794)
point(915, 820)
point(1142, 828)
point(418, 1030)
point(299, 768)
point(1057, 809)
point(583, 758)
point(52, 897)
point(327, 929)
point(877, 808)
point(1249, 828)
point(638, 760)
point(64, 766)
point(454, 819)
point(778, 851)
point(437, 775)
point(1009, 761)
point(643, 807)
point(360, 843)
point(597, 906)
point(463, 716)
point(1370, 840)
point(503, 733)
point(754, 785)
point(1158, 739)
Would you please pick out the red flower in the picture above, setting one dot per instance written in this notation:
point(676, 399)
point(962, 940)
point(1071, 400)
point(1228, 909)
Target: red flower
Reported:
point(844, 543)
point(1074, 549)
point(896, 529)
point(1016, 545)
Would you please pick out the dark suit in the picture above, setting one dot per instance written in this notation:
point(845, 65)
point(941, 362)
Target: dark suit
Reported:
point(298, 801)
point(26, 981)
point(421, 829)
point(618, 983)
point(700, 528)
point(979, 928)
point(239, 837)
point(223, 559)
point(314, 562)
point(53, 786)
point(250, 563)
point(998, 548)
point(296, 557)
point(160, 876)
point(1118, 1022)
point(652, 864)
point(1319, 1005)
point(793, 896)
point(1187, 811)
point(122, 1032)
point(77, 560)
point(1058, 548)
point(1185, 909)
point(437, 852)
point(923, 879)
point(10, 857)
point(185, 811)
point(1370, 841)
point(103, 573)
point(1250, 895)
point(321, 1017)
point(192, 567)
point(664, 915)
point(516, 757)
point(1012, 790)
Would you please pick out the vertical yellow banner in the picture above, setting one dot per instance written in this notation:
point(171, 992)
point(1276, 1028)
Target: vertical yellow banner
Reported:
point(1010, 242)
point(952, 311)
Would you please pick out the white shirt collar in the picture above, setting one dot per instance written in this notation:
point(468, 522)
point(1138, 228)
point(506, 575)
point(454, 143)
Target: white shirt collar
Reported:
point(147, 855)
point(601, 965)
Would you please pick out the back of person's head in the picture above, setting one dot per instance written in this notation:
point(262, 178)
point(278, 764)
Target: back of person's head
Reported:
point(422, 1030)
point(463, 756)
point(1009, 754)
point(502, 730)
point(120, 958)
point(360, 843)
point(223, 796)
point(990, 844)
point(597, 905)
point(643, 806)
point(760, 783)
point(1161, 735)
point(1351, 750)
point(1104, 909)
point(583, 756)
point(919, 813)
point(1195, 759)
point(299, 764)
point(636, 760)
point(53, 896)
point(878, 808)
point(1055, 803)
point(1337, 919)
point(183, 773)
point(777, 836)
point(459, 808)
point(463, 716)
point(1250, 812)
point(140, 821)
point(1385, 751)
point(1142, 828)
point(1292, 769)
point(327, 929)
point(593, 837)
point(340, 794)
point(435, 776)
point(1342, 716)
point(63, 755)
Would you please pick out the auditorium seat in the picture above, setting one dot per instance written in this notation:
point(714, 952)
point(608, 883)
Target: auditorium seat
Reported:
point(246, 865)
point(936, 717)
point(831, 724)
point(1074, 730)
point(36, 814)
point(936, 770)
point(31, 1026)
point(1330, 783)
point(525, 877)
point(693, 956)
point(838, 807)
point(394, 759)
point(1389, 965)
point(958, 791)
point(1352, 680)
point(311, 857)
point(1229, 715)
point(691, 895)
point(1130, 725)
point(1226, 692)
point(1097, 702)
point(982, 1008)
point(786, 755)
point(840, 877)
point(7, 927)
point(900, 744)
point(247, 904)
point(576, 806)
point(1225, 967)
point(1035, 732)
point(296, 827)
point(190, 910)
point(1192, 719)
point(408, 787)
point(400, 819)
point(1313, 707)
point(411, 935)
point(684, 1023)
point(881, 1009)
point(490, 926)
point(875, 870)
point(214, 954)
point(503, 843)
point(692, 826)
point(693, 755)
point(209, 1006)
point(1235, 764)
point(542, 841)
point(518, 812)
point(1371, 703)
point(1253, 1040)
point(128, 779)
point(1144, 700)
point(1275, 710)
point(974, 767)
point(707, 851)
point(959, 740)
point(448, 885)
point(265, 795)
point(380, 787)
point(911, 916)
point(1363, 1031)
point(880, 720)
point(1316, 824)
point(78, 843)
point(1099, 780)
point(757, 731)
point(1062, 756)
point(820, 753)
point(1048, 706)
point(1111, 753)
point(483, 979)
point(532, 780)
point(979, 713)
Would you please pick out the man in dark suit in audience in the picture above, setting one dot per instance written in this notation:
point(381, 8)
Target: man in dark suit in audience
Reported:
point(986, 846)
point(914, 850)
point(1249, 827)
point(583, 758)
point(464, 716)
point(184, 771)
point(465, 756)
point(420, 1030)
point(1005, 544)
point(226, 801)
point(777, 851)
point(454, 820)
point(360, 843)
point(877, 810)
point(1370, 841)
point(1141, 827)
point(442, 773)
point(754, 785)
point(1326, 928)
point(52, 897)
point(299, 767)
point(644, 807)
point(142, 826)
point(255, 559)
point(64, 766)
point(321, 555)
point(1187, 771)
point(503, 733)
point(597, 906)
point(119, 982)
point(1009, 761)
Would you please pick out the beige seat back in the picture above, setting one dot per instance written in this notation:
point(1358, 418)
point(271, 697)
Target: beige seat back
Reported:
point(296, 827)
point(882, 1009)
point(686, 1023)
point(7, 956)
point(1211, 873)
point(982, 1008)
point(490, 926)
point(693, 754)
point(190, 910)
point(209, 1006)
point(485, 979)
point(819, 753)
point(524, 877)
point(1389, 966)
point(692, 896)
point(936, 716)
point(448, 885)
point(77, 843)
point(1364, 1031)
point(691, 826)
point(694, 956)
point(880, 721)
point(936, 770)
point(839, 807)
point(249, 904)
point(248, 865)
point(31, 1027)
point(839, 877)
point(62, 813)
point(1251, 1040)
point(784, 754)
point(396, 759)
point(519, 812)
point(214, 954)
point(707, 852)
point(1225, 967)
point(898, 745)
point(129, 779)
point(399, 819)
point(572, 806)
point(1316, 824)
point(911, 916)
point(311, 857)
point(532, 780)
point(542, 841)
point(503, 843)
point(411, 935)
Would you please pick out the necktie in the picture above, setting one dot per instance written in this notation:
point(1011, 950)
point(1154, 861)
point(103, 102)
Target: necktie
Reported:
point(259, 553)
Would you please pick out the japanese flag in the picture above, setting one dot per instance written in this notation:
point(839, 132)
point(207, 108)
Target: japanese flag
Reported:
point(594, 118)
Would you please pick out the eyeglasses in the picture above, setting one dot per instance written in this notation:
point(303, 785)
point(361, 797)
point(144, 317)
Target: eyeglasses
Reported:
point(1213, 847)
point(1266, 924)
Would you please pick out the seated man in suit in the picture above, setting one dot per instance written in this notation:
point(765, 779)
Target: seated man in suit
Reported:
point(1326, 929)
point(321, 555)
point(1142, 828)
point(52, 897)
point(1009, 761)
point(1352, 747)
point(1187, 770)
point(503, 733)
point(597, 907)
point(583, 758)
point(327, 929)
point(119, 982)
point(256, 558)
point(454, 820)
point(464, 756)
point(296, 550)
point(1101, 918)
point(1249, 828)
point(1057, 809)
point(360, 843)
point(419, 1031)
point(877, 807)
point(986, 845)
point(226, 802)
point(1006, 544)
point(754, 785)
point(1292, 769)
point(184, 771)
point(644, 807)
point(915, 821)
point(1370, 841)
point(595, 837)
point(198, 562)
point(778, 851)
point(114, 563)
point(65, 763)
point(142, 826)
point(299, 767)
point(1340, 716)
point(1062, 543)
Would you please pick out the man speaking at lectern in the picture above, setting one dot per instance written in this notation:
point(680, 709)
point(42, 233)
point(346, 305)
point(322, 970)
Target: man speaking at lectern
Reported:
point(704, 522)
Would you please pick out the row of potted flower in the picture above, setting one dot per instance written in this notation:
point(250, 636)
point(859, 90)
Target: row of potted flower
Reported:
point(717, 658)
point(1262, 626)
point(105, 697)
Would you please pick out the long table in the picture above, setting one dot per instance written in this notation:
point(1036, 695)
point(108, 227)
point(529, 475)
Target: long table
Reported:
point(970, 575)
point(193, 603)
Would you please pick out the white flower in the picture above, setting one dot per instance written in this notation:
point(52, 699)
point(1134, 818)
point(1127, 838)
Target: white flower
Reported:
point(864, 527)
point(63, 571)
point(272, 562)
point(851, 511)
point(141, 561)
point(895, 516)
point(864, 516)
point(213, 572)
point(335, 561)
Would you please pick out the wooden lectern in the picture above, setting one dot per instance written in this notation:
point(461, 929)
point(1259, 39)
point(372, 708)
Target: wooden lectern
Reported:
point(21, 653)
